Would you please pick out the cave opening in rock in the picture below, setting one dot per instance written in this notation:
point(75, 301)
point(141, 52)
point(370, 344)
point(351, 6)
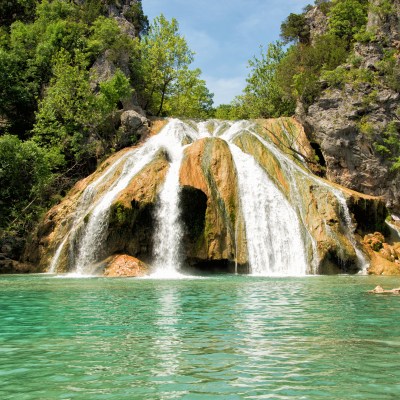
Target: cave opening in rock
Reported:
point(318, 152)
point(193, 212)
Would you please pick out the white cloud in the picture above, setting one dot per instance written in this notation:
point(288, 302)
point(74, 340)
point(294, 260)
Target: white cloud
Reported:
point(225, 89)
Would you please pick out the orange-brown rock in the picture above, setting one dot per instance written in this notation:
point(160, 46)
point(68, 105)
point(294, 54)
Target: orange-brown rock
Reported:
point(384, 257)
point(125, 266)
point(374, 240)
point(208, 167)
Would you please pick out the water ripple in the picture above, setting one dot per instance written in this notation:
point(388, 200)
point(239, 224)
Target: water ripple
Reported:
point(216, 338)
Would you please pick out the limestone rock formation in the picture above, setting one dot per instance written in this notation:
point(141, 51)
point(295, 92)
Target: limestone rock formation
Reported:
point(385, 257)
point(332, 218)
point(348, 122)
point(214, 225)
point(317, 22)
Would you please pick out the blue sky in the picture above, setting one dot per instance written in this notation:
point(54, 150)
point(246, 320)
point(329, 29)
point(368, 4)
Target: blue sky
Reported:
point(225, 34)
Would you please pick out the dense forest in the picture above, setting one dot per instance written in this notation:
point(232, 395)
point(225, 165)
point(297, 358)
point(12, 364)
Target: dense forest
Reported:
point(70, 70)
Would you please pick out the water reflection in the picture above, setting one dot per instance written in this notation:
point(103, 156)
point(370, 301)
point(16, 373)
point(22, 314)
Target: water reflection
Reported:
point(167, 344)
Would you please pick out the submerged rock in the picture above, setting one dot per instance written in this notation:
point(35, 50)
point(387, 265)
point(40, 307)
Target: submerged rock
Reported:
point(380, 290)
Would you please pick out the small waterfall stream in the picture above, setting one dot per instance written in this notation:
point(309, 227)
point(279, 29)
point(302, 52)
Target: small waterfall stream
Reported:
point(291, 167)
point(273, 235)
point(169, 231)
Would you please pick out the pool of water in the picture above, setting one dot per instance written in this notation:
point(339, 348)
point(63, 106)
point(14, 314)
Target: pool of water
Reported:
point(224, 337)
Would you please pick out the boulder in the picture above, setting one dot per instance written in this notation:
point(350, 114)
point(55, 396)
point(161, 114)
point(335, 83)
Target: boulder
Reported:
point(123, 265)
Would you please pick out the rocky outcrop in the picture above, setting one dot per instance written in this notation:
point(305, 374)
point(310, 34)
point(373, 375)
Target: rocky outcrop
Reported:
point(380, 290)
point(133, 123)
point(317, 22)
point(385, 257)
point(346, 123)
point(134, 126)
point(349, 122)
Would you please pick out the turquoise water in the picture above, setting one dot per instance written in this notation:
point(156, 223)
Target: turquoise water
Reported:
point(222, 337)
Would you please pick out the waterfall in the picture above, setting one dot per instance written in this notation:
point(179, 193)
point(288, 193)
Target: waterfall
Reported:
point(272, 227)
point(291, 167)
point(169, 230)
point(275, 222)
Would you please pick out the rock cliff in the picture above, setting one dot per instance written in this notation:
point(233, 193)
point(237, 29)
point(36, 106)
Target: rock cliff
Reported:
point(352, 121)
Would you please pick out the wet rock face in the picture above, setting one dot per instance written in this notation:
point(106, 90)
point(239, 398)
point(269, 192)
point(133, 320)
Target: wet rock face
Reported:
point(216, 229)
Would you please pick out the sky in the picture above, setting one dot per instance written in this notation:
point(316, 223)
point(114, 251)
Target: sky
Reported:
point(225, 34)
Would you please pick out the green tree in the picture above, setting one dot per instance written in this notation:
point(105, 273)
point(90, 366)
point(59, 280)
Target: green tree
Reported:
point(347, 17)
point(189, 96)
point(164, 53)
point(72, 119)
point(295, 28)
point(263, 97)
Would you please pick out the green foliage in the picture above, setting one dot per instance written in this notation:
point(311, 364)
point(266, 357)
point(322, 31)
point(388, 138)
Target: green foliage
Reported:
point(161, 73)
point(347, 17)
point(25, 174)
point(298, 74)
point(389, 144)
point(263, 96)
point(295, 28)
point(189, 96)
point(70, 114)
point(226, 112)
point(10, 11)
point(366, 127)
point(389, 67)
point(364, 36)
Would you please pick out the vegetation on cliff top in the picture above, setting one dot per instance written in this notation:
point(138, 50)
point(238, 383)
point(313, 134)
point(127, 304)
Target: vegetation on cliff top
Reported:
point(58, 116)
point(295, 70)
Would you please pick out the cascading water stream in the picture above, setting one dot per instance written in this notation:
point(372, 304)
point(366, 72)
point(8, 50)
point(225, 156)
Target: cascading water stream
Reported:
point(272, 227)
point(277, 237)
point(169, 231)
point(291, 167)
point(95, 229)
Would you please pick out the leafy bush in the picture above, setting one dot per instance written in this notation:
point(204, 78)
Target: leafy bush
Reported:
point(389, 144)
point(347, 17)
point(25, 174)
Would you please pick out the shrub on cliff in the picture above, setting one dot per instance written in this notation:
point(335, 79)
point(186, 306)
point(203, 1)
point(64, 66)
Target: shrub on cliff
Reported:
point(25, 177)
